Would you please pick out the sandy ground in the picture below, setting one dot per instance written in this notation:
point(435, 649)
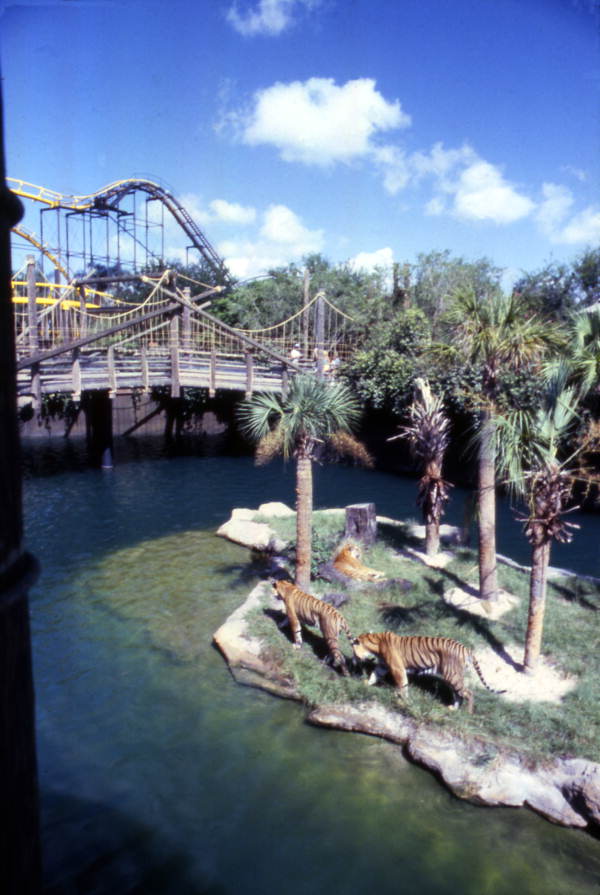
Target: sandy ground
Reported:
point(502, 667)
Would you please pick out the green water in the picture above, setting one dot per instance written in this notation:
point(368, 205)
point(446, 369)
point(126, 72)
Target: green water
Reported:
point(160, 775)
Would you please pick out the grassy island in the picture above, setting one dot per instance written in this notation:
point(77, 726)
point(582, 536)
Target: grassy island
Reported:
point(556, 713)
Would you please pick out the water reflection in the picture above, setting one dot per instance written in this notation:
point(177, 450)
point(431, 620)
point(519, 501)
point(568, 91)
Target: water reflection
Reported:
point(160, 774)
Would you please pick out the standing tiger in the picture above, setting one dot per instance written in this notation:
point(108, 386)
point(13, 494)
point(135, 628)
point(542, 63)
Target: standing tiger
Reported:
point(348, 561)
point(441, 656)
point(302, 607)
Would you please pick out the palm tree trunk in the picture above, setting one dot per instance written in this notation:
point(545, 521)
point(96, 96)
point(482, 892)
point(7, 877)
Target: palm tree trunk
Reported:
point(540, 559)
point(488, 579)
point(432, 538)
point(304, 500)
point(433, 506)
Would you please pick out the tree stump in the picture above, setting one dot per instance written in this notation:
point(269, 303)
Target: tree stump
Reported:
point(361, 523)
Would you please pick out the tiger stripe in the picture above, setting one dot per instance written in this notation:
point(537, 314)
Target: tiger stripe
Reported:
point(398, 654)
point(301, 607)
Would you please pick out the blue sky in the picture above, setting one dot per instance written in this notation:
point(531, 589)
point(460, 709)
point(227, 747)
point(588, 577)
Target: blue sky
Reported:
point(367, 130)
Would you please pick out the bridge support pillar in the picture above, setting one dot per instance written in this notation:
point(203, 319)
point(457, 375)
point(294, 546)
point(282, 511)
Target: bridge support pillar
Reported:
point(98, 407)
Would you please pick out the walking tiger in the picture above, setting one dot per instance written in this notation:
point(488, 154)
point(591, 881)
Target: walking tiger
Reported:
point(441, 656)
point(302, 607)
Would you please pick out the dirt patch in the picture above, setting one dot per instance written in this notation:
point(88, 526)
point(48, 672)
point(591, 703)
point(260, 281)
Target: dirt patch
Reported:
point(547, 683)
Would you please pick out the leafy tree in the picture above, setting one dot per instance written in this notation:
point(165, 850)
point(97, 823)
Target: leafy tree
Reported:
point(495, 334)
point(586, 273)
point(428, 434)
point(314, 412)
point(548, 292)
point(437, 276)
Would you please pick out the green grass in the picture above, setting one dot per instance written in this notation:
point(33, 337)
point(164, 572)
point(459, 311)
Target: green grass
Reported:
point(571, 641)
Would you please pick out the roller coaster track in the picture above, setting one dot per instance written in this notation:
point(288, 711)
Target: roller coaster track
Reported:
point(108, 198)
point(33, 239)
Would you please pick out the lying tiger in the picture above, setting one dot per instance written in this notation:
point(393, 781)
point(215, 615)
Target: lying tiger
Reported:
point(441, 656)
point(302, 607)
point(348, 561)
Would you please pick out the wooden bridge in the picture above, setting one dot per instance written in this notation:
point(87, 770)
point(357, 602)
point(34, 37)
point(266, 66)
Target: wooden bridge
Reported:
point(74, 338)
point(83, 337)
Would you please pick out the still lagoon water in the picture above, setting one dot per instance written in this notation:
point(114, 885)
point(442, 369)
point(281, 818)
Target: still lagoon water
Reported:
point(159, 774)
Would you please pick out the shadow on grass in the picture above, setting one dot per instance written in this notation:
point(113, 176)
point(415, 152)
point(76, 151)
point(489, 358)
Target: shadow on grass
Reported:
point(310, 639)
point(396, 537)
point(573, 595)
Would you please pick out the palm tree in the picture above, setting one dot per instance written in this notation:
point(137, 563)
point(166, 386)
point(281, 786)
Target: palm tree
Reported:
point(579, 359)
point(496, 334)
point(428, 434)
point(313, 413)
point(530, 456)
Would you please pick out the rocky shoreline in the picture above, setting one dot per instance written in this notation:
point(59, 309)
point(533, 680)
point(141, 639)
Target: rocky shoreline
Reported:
point(566, 791)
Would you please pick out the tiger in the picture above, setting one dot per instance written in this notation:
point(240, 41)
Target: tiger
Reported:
point(347, 561)
point(441, 656)
point(302, 607)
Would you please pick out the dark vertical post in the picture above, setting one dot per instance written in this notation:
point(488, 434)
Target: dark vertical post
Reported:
point(20, 851)
point(98, 413)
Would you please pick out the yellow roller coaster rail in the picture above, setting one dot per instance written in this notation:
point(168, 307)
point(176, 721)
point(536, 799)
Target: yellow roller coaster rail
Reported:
point(114, 192)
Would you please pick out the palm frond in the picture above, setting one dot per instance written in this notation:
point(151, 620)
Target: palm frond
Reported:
point(346, 445)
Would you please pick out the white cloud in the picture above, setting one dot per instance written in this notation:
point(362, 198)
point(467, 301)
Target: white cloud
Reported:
point(436, 206)
point(381, 258)
point(319, 122)
point(440, 162)
point(394, 166)
point(282, 226)
point(232, 212)
point(282, 238)
point(483, 194)
point(268, 17)
point(464, 184)
point(553, 212)
point(217, 211)
point(557, 201)
point(582, 228)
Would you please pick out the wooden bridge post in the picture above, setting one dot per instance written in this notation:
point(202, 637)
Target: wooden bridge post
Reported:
point(76, 374)
point(145, 371)
point(320, 334)
point(32, 314)
point(82, 313)
point(186, 340)
point(112, 370)
point(249, 374)
point(174, 346)
point(34, 336)
point(212, 374)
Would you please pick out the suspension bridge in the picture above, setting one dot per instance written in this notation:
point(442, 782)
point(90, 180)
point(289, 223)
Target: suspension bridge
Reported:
point(75, 332)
